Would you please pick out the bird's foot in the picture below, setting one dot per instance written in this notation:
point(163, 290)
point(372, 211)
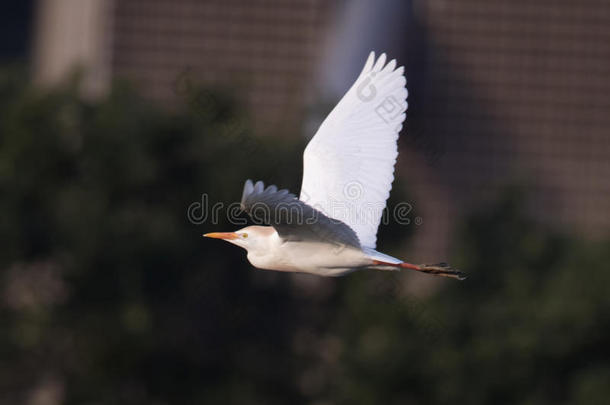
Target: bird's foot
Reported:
point(442, 269)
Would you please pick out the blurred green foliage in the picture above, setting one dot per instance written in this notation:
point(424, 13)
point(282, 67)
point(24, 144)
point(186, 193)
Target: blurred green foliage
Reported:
point(528, 327)
point(110, 295)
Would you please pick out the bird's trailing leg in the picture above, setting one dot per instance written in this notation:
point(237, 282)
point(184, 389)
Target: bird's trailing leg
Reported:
point(439, 269)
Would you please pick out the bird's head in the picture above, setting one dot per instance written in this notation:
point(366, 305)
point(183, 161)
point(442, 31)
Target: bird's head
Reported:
point(250, 237)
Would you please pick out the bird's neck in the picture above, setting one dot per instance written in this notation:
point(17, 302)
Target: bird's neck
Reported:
point(267, 242)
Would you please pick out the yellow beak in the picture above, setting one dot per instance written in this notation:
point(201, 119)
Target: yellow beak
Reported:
point(222, 235)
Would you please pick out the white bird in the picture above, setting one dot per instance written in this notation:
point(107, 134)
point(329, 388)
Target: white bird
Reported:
point(348, 172)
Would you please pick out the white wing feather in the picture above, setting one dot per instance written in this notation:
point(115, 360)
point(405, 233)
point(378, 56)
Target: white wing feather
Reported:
point(349, 163)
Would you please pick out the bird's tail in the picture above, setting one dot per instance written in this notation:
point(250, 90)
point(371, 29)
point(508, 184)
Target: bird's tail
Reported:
point(439, 269)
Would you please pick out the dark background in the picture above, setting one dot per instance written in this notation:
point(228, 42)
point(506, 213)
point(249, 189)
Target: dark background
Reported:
point(109, 294)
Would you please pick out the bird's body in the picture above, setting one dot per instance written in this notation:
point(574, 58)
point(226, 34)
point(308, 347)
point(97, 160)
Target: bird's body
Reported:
point(308, 256)
point(348, 171)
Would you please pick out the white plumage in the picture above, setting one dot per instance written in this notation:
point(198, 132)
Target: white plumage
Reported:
point(347, 177)
point(349, 163)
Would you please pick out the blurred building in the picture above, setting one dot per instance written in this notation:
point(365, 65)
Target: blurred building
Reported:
point(263, 49)
point(517, 93)
point(501, 93)
point(70, 36)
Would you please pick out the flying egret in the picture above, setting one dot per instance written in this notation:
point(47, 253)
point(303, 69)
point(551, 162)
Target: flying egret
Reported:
point(348, 171)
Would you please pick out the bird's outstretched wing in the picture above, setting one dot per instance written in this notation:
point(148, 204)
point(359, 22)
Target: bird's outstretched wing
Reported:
point(293, 219)
point(349, 163)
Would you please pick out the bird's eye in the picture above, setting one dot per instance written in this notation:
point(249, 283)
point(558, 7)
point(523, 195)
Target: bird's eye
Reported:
point(245, 235)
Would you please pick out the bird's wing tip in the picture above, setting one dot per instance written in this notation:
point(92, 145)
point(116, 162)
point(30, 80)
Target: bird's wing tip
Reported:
point(248, 189)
